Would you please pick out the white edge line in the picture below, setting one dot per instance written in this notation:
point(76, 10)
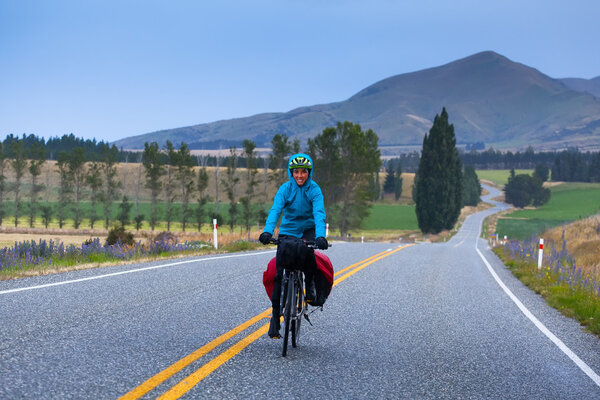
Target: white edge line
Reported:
point(129, 272)
point(559, 343)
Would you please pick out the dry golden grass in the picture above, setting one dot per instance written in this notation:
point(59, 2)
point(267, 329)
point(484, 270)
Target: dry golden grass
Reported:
point(10, 235)
point(132, 179)
point(582, 239)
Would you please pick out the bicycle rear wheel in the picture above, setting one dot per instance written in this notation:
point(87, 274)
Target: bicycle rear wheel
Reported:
point(287, 313)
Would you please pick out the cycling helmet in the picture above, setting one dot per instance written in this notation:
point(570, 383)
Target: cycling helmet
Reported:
point(300, 162)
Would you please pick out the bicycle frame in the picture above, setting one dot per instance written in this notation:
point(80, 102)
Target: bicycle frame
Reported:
point(293, 304)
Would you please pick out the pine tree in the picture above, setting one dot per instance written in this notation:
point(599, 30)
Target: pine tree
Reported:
point(389, 183)
point(471, 187)
point(398, 182)
point(438, 183)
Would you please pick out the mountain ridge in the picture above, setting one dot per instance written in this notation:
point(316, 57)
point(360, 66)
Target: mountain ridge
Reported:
point(489, 98)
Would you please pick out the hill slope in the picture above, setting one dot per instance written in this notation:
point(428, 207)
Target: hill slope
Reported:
point(591, 86)
point(488, 97)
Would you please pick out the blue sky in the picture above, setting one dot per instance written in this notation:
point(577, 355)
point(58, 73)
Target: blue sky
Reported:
point(112, 69)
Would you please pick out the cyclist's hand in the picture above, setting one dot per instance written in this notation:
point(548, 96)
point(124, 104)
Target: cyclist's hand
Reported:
point(265, 237)
point(321, 243)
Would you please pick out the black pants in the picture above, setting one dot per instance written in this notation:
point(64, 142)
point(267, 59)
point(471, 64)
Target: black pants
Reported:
point(309, 267)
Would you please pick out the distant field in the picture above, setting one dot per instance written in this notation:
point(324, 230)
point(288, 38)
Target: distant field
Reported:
point(391, 216)
point(569, 202)
point(499, 176)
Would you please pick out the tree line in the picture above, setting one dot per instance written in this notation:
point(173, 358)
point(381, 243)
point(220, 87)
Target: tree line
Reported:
point(88, 188)
point(569, 165)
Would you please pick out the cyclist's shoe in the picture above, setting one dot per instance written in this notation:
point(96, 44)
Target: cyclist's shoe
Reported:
point(274, 329)
point(311, 291)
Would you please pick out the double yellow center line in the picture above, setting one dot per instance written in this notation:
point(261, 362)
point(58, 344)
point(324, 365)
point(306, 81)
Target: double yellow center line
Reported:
point(190, 381)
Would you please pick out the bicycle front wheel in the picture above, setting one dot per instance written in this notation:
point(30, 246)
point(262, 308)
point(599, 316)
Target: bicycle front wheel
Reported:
point(297, 310)
point(287, 313)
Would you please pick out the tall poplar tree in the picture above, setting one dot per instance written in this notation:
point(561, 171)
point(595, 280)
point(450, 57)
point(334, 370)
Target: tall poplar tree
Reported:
point(201, 185)
point(438, 182)
point(230, 182)
point(170, 182)
point(94, 182)
point(65, 188)
point(78, 173)
point(3, 161)
point(281, 149)
point(37, 158)
point(251, 171)
point(154, 171)
point(18, 164)
point(185, 177)
point(111, 185)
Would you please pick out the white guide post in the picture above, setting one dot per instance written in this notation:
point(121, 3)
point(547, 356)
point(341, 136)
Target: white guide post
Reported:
point(540, 253)
point(215, 233)
point(326, 230)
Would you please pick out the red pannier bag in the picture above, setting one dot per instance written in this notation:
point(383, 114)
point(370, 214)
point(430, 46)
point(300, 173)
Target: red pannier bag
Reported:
point(323, 277)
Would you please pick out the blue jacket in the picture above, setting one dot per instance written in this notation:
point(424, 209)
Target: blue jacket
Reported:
point(302, 207)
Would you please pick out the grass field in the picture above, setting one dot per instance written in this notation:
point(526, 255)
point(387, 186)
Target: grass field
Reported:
point(568, 202)
point(389, 216)
point(499, 176)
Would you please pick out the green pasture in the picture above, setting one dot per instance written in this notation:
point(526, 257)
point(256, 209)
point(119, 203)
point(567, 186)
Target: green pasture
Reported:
point(499, 176)
point(398, 217)
point(143, 208)
point(568, 202)
point(392, 217)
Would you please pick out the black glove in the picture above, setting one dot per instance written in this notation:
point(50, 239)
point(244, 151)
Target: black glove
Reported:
point(321, 243)
point(265, 238)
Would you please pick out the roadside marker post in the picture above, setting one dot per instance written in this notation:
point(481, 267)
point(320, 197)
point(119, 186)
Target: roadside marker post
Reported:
point(540, 253)
point(215, 233)
point(326, 230)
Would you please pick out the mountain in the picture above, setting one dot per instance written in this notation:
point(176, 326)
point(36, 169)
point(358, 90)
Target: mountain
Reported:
point(591, 86)
point(489, 99)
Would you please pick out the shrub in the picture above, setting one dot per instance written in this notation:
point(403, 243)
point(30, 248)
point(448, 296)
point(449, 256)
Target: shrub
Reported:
point(118, 234)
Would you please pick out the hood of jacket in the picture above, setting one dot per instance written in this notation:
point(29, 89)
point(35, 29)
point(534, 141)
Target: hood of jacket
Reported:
point(310, 172)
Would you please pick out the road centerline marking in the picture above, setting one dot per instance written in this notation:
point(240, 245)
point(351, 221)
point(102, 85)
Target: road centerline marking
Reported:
point(193, 379)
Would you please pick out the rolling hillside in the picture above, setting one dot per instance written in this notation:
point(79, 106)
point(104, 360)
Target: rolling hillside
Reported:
point(489, 98)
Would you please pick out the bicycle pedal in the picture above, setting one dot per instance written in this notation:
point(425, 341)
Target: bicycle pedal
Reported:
point(308, 319)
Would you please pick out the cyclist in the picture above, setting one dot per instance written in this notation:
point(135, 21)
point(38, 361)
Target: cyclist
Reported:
point(301, 202)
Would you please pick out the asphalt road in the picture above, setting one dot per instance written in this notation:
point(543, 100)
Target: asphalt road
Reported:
point(425, 321)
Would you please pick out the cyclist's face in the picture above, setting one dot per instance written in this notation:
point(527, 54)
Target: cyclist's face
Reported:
point(300, 175)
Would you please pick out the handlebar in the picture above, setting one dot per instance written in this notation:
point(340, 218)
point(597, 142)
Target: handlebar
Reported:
point(309, 243)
